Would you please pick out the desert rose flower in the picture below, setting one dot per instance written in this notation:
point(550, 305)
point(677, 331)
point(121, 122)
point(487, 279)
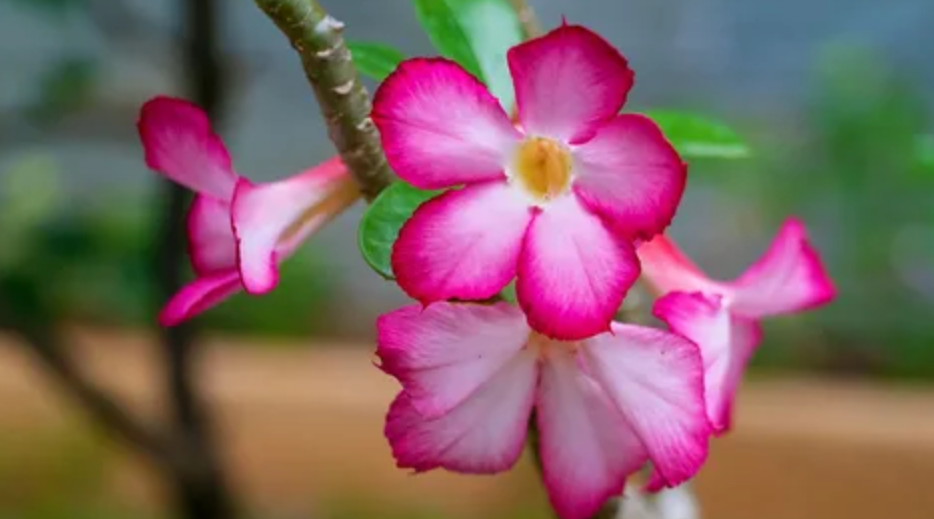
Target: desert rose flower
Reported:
point(238, 231)
point(555, 200)
point(723, 317)
point(472, 375)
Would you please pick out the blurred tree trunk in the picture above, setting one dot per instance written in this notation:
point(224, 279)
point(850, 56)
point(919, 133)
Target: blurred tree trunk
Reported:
point(201, 489)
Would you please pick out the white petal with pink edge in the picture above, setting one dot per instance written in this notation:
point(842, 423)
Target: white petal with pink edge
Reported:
point(789, 277)
point(179, 143)
point(566, 81)
point(655, 380)
point(443, 353)
point(483, 435)
point(573, 273)
point(201, 294)
point(463, 244)
point(667, 269)
point(726, 344)
point(439, 125)
point(271, 219)
point(631, 175)
point(211, 243)
point(587, 448)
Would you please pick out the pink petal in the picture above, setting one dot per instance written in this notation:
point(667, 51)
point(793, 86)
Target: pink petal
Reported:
point(179, 143)
point(440, 127)
point(667, 269)
point(726, 344)
point(573, 273)
point(587, 448)
point(655, 379)
point(566, 81)
point(199, 295)
point(631, 175)
point(789, 277)
point(483, 435)
point(444, 353)
point(463, 244)
point(270, 220)
point(211, 243)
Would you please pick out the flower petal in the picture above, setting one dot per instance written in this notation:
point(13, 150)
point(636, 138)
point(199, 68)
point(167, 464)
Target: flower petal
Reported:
point(587, 448)
point(567, 80)
point(789, 277)
point(667, 269)
point(463, 244)
point(573, 273)
point(198, 296)
point(211, 243)
point(270, 220)
point(179, 143)
point(483, 435)
point(726, 344)
point(655, 379)
point(443, 353)
point(440, 127)
point(630, 175)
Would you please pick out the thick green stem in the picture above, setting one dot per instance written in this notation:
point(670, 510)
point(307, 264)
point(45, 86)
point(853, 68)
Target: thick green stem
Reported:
point(345, 105)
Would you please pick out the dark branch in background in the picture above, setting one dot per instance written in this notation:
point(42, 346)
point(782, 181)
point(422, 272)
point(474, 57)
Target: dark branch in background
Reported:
point(345, 105)
point(201, 493)
point(51, 352)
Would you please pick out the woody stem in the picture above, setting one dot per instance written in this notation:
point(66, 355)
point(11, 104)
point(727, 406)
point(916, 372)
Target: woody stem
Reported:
point(345, 104)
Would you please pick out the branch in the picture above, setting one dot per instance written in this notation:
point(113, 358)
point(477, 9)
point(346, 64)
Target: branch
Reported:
point(50, 351)
point(530, 24)
point(345, 105)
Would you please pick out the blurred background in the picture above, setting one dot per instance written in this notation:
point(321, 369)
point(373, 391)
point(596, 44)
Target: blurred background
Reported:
point(836, 97)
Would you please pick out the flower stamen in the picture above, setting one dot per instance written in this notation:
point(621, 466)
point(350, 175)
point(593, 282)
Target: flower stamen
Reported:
point(543, 167)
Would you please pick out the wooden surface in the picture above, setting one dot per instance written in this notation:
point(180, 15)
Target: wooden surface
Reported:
point(305, 426)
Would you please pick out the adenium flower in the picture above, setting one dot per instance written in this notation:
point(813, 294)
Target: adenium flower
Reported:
point(722, 318)
point(555, 201)
point(473, 374)
point(238, 231)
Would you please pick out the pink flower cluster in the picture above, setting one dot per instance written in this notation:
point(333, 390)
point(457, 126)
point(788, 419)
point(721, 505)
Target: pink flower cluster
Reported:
point(570, 201)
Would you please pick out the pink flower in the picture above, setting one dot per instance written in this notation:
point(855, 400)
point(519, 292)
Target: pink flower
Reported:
point(238, 231)
point(556, 200)
point(723, 317)
point(473, 374)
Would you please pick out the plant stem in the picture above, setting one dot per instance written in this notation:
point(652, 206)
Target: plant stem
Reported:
point(530, 24)
point(345, 104)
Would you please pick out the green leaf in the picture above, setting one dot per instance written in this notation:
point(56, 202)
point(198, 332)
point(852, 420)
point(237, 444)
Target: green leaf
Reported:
point(698, 137)
point(925, 150)
point(509, 293)
point(66, 86)
point(375, 59)
point(476, 34)
point(380, 225)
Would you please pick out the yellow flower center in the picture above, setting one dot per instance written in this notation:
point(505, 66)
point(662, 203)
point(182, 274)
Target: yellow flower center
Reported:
point(543, 167)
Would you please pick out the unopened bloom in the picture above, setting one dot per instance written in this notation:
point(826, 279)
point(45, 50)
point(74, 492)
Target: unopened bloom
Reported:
point(722, 318)
point(238, 231)
point(554, 201)
point(472, 375)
